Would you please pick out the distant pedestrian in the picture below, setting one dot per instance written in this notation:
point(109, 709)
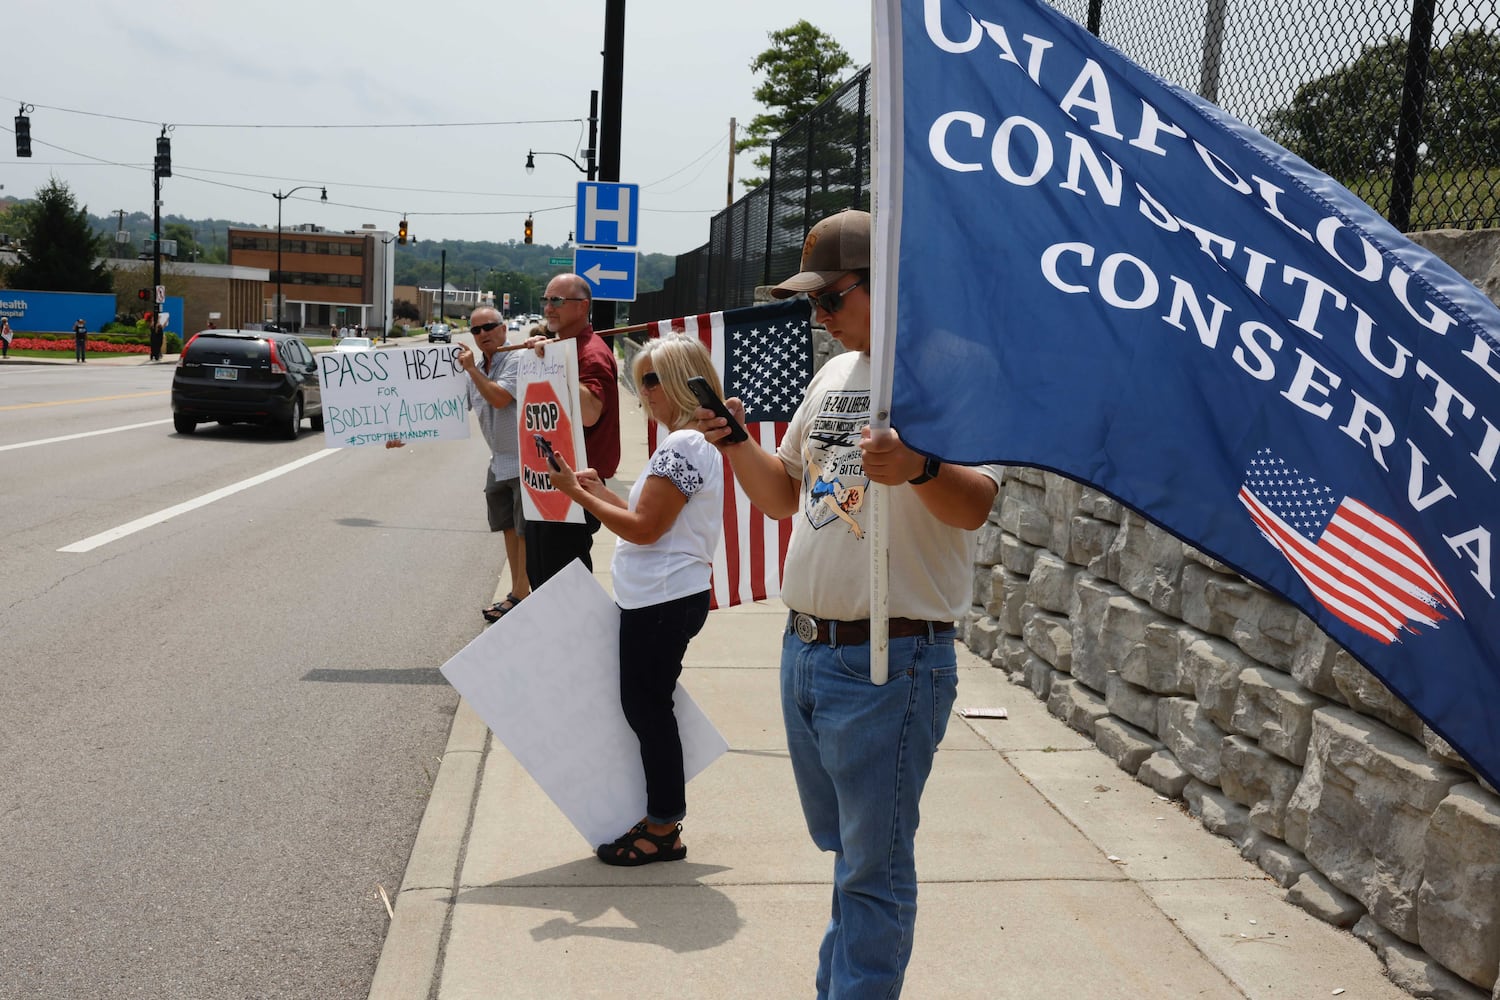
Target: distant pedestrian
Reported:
point(6, 336)
point(80, 341)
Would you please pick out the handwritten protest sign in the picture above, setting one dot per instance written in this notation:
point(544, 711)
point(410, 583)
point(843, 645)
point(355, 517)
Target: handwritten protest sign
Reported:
point(548, 389)
point(411, 394)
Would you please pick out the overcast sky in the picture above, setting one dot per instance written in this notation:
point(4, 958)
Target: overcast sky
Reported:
point(202, 65)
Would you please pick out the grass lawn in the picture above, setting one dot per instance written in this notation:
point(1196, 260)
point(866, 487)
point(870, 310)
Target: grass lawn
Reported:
point(1440, 198)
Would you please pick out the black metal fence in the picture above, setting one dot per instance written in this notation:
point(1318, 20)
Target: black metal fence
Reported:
point(1399, 100)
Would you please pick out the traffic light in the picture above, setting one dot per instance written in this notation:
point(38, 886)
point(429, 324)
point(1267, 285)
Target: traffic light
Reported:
point(144, 294)
point(23, 135)
point(528, 229)
point(163, 156)
point(401, 233)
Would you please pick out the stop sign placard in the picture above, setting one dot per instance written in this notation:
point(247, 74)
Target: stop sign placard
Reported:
point(543, 414)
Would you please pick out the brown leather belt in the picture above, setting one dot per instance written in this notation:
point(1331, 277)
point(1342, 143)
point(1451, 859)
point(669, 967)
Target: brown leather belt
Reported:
point(857, 633)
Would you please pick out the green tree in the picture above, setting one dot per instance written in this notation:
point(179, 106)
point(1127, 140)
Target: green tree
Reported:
point(1345, 123)
point(188, 247)
point(59, 251)
point(1463, 102)
point(801, 68)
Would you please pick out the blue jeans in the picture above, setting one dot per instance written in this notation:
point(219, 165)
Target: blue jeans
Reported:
point(861, 755)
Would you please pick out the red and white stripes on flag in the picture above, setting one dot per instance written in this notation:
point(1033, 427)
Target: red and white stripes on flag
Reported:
point(1360, 565)
point(752, 550)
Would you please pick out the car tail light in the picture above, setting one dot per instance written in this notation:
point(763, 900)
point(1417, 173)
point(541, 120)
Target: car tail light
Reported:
point(277, 368)
point(182, 358)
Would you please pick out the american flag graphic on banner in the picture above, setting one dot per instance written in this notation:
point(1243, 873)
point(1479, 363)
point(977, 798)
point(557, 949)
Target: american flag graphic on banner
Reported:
point(1360, 565)
point(763, 355)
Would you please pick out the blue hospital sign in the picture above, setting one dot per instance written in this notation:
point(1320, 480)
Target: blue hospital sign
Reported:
point(607, 214)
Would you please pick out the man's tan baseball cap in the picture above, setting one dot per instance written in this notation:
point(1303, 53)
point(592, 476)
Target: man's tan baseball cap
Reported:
point(838, 244)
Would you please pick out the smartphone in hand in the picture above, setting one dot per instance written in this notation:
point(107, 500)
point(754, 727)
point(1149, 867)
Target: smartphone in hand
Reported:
point(544, 447)
point(700, 388)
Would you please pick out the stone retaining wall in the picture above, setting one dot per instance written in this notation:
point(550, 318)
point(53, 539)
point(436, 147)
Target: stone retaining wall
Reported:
point(1216, 692)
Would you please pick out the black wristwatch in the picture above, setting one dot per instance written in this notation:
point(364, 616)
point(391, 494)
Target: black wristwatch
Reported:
point(929, 471)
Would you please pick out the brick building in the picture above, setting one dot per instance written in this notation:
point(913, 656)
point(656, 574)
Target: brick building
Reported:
point(327, 279)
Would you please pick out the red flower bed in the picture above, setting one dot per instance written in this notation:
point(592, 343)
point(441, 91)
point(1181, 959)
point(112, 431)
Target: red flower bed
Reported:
point(62, 346)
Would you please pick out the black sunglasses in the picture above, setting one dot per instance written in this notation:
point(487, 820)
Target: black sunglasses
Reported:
point(832, 302)
point(485, 327)
point(650, 380)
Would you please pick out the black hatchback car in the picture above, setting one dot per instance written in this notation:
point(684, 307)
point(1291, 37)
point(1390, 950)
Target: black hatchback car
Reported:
point(246, 376)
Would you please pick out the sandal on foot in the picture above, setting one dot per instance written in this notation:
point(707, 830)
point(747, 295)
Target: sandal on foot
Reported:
point(626, 853)
point(495, 612)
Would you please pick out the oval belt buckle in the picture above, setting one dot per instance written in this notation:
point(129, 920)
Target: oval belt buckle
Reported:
point(806, 626)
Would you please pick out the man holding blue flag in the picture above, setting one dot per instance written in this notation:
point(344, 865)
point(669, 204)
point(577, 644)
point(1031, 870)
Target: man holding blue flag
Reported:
point(1199, 324)
point(861, 751)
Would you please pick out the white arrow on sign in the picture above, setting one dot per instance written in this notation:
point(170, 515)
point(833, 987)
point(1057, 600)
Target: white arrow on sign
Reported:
point(597, 274)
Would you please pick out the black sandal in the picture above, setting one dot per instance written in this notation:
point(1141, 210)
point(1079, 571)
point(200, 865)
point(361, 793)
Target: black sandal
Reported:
point(624, 853)
point(495, 612)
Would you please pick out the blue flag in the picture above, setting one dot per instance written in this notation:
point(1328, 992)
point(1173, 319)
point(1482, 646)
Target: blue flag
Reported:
point(1100, 274)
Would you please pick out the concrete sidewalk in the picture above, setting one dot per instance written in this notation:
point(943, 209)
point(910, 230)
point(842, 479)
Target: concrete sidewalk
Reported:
point(1045, 871)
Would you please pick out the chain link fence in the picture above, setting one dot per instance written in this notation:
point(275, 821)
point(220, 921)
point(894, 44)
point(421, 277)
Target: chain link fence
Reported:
point(1398, 100)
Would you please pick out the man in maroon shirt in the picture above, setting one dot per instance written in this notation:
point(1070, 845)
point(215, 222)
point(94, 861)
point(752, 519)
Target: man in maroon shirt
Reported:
point(551, 545)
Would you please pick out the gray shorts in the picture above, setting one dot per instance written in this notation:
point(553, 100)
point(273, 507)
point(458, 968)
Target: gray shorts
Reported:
point(503, 501)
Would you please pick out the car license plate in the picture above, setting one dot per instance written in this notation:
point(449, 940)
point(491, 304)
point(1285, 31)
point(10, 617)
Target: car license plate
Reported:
point(229, 373)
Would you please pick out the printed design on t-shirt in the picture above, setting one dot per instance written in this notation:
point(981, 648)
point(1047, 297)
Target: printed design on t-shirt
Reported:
point(678, 470)
point(833, 476)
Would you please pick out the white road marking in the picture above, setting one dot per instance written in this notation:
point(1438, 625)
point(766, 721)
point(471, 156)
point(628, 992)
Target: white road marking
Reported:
point(85, 434)
point(141, 523)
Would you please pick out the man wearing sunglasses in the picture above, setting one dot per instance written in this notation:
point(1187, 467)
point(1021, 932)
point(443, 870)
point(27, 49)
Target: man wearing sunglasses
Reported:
point(861, 753)
point(551, 545)
point(492, 397)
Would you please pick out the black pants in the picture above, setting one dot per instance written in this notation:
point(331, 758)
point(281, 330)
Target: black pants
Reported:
point(551, 545)
point(80, 348)
point(653, 641)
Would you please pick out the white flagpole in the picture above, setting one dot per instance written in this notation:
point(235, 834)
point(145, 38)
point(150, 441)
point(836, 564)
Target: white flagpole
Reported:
point(885, 206)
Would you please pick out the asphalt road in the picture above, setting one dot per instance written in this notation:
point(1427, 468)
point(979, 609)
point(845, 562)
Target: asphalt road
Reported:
point(217, 733)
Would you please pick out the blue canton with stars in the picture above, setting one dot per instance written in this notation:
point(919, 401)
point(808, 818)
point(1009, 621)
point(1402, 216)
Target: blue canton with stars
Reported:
point(1299, 500)
point(768, 358)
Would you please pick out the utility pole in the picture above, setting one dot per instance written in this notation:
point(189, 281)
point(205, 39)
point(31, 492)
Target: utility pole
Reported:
point(603, 316)
point(729, 197)
point(443, 288)
point(161, 167)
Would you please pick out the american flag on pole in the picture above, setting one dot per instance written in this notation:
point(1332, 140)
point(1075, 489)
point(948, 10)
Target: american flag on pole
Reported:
point(763, 355)
point(1360, 565)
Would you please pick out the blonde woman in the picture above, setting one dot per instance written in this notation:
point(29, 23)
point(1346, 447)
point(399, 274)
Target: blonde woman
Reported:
point(667, 530)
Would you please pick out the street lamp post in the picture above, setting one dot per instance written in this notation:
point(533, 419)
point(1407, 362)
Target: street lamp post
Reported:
point(602, 315)
point(280, 197)
point(389, 319)
point(588, 154)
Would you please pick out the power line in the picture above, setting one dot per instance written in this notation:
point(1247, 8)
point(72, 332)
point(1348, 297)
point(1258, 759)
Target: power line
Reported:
point(97, 161)
point(337, 125)
point(689, 164)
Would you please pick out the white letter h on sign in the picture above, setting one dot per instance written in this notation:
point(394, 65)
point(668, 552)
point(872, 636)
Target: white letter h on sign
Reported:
point(593, 215)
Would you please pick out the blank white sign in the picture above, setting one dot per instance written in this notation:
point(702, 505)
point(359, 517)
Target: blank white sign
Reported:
point(546, 680)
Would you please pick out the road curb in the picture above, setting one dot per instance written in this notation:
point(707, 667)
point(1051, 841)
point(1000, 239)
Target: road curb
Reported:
point(417, 934)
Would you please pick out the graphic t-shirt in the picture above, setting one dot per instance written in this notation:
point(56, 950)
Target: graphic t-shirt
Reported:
point(827, 571)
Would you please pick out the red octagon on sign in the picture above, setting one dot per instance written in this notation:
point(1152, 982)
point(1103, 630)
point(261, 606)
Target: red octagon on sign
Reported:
point(542, 413)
